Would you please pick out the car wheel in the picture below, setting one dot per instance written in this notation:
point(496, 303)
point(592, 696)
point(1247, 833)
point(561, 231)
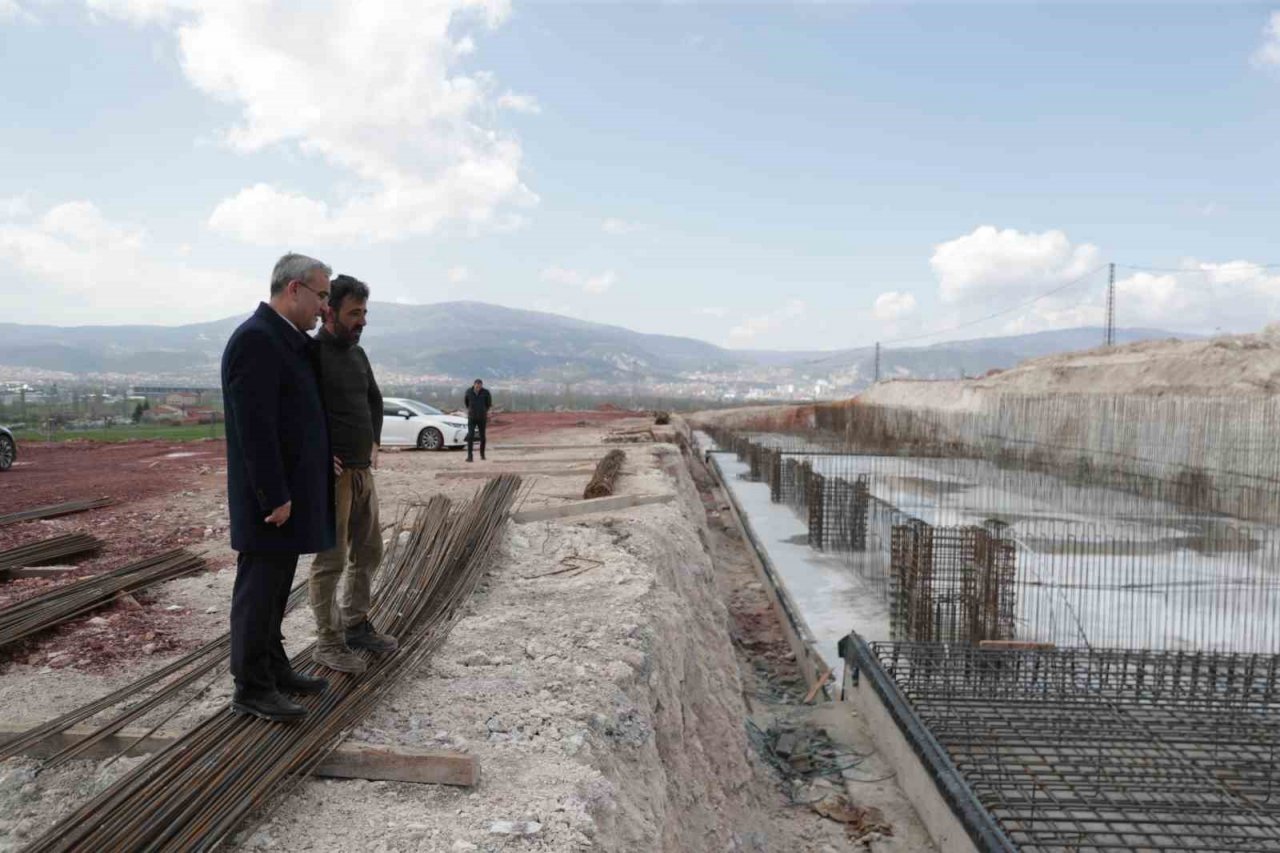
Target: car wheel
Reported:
point(430, 439)
point(7, 453)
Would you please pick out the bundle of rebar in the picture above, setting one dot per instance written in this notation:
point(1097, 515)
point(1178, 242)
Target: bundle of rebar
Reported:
point(48, 550)
point(68, 601)
point(186, 671)
point(194, 794)
point(607, 471)
point(53, 510)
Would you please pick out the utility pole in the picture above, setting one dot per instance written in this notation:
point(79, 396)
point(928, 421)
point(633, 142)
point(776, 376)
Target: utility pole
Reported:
point(877, 361)
point(1111, 306)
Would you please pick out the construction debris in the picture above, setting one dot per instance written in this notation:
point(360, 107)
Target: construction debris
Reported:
point(195, 794)
point(46, 550)
point(602, 482)
point(53, 510)
point(74, 599)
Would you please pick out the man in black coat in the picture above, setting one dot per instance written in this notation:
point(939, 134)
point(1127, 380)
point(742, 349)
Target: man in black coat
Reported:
point(279, 480)
point(478, 402)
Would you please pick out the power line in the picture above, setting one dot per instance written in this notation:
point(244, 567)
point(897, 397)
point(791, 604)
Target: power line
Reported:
point(1191, 269)
point(1002, 312)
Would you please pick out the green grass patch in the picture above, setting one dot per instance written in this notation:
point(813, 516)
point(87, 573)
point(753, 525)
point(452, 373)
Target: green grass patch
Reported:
point(128, 432)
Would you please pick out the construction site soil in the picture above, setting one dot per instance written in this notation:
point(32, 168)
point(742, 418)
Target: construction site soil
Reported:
point(619, 675)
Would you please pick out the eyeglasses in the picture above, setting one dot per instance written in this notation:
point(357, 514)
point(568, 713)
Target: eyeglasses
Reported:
point(324, 295)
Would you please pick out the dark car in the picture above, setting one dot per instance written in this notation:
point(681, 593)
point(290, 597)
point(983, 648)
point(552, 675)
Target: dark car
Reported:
point(8, 449)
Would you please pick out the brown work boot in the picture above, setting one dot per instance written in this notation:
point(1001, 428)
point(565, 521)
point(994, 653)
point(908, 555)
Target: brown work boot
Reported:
point(365, 636)
point(339, 657)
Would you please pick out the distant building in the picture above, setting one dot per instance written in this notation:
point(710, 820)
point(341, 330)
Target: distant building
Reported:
point(175, 395)
point(163, 413)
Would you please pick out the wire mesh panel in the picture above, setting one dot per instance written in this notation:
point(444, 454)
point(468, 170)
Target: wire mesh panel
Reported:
point(1098, 750)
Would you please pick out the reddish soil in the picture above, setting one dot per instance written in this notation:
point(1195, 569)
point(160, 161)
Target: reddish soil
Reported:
point(529, 426)
point(139, 476)
point(127, 471)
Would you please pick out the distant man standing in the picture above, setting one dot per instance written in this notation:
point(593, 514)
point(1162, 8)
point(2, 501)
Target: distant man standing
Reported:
point(478, 402)
point(353, 406)
point(279, 480)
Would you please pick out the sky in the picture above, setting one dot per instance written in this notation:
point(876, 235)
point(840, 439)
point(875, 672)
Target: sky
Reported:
point(806, 175)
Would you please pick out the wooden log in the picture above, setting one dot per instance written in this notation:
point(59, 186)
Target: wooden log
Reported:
point(606, 475)
point(548, 513)
point(348, 761)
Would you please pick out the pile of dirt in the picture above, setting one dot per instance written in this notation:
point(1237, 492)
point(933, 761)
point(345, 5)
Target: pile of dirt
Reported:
point(1228, 366)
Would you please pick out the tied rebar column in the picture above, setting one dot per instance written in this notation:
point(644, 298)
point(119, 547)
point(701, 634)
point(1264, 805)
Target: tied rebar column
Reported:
point(815, 494)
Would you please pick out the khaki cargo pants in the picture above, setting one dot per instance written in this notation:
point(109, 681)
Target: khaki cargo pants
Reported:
point(358, 551)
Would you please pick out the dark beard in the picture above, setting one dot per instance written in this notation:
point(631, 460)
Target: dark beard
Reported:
point(345, 334)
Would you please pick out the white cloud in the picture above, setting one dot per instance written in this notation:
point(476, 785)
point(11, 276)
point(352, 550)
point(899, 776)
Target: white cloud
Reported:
point(14, 207)
point(520, 103)
point(1197, 296)
point(712, 311)
point(372, 88)
point(592, 284)
point(1007, 263)
point(619, 226)
point(457, 275)
point(90, 269)
point(1269, 51)
point(12, 10)
point(752, 327)
point(892, 306)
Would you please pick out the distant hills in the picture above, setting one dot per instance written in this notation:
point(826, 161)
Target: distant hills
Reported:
point(463, 340)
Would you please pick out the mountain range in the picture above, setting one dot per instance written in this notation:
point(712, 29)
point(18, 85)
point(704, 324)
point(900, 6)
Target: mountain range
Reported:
point(462, 340)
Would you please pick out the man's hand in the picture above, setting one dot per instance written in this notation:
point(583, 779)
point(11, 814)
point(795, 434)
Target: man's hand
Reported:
point(376, 448)
point(280, 514)
point(337, 467)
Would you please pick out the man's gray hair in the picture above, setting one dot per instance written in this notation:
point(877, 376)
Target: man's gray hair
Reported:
point(293, 266)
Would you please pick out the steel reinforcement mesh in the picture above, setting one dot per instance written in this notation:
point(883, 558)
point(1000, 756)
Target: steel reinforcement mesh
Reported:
point(1099, 750)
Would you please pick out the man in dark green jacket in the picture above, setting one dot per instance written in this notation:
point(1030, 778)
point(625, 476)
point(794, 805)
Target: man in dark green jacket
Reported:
point(353, 408)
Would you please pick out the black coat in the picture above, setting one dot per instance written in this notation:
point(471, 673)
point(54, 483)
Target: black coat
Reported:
point(478, 405)
point(277, 440)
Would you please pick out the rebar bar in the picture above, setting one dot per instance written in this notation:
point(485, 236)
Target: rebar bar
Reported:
point(54, 510)
point(194, 794)
point(48, 550)
point(67, 601)
point(606, 473)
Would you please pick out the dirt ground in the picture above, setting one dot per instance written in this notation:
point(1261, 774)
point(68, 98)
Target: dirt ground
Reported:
point(619, 675)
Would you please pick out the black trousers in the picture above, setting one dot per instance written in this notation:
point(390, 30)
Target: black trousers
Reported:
point(475, 425)
point(258, 601)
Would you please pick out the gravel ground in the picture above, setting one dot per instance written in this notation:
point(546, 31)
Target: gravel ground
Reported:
point(592, 674)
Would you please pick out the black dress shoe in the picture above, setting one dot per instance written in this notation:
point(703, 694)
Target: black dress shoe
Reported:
point(271, 706)
point(297, 682)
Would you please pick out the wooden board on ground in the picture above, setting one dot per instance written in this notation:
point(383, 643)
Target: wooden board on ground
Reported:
point(16, 573)
point(348, 761)
point(549, 513)
point(536, 472)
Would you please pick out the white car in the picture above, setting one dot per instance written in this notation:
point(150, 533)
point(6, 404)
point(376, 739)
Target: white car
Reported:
point(409, 423)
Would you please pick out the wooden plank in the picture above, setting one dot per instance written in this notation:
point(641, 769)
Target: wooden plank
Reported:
point(1014, 645)
point(36, 571)
point(549, 513)
point(818, 684)
point(485, 474)
point(348, 761)
point(401, 764)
